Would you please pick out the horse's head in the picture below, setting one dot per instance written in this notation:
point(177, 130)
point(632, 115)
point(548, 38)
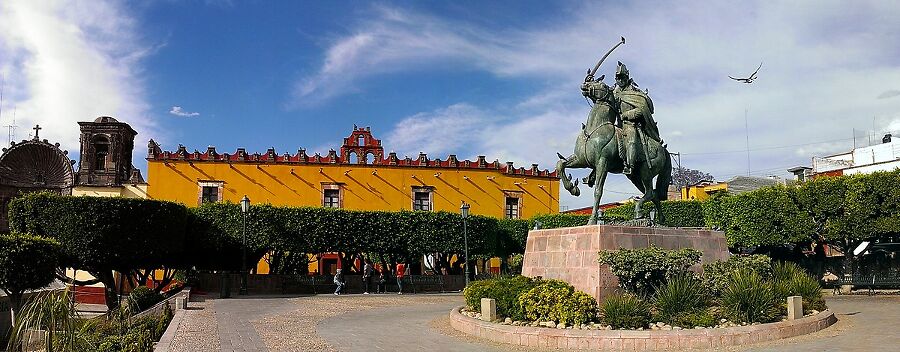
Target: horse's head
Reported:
point(596, 91)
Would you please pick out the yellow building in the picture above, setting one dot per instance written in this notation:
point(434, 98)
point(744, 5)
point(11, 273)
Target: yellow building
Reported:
point(702, 190)
point(358, 176)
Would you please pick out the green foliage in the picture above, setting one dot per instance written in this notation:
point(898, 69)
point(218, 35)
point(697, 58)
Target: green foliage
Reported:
point(749, 298)
point(554, 221)
point(515, 263)
point(641, 270)
point(625, 311)
point(104, 234)
point(872, 209)
point(716, 275)
point(765, 217)
point(143, 297)
point(27, 262)
point(680, 296)
point(505, 290)
point(789, 279)
point(558, 301)
point(678, 213)
point(692, 318)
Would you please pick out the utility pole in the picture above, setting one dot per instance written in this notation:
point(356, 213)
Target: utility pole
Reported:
point(747, 132)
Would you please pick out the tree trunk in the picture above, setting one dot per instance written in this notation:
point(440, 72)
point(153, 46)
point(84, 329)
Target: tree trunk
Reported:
point(109, 290)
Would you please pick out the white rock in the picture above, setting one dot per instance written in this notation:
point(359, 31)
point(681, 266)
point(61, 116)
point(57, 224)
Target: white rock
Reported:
point(660, 324)
point(561, 326)
point(508, 320)
point(723, 320)
point(676, 328)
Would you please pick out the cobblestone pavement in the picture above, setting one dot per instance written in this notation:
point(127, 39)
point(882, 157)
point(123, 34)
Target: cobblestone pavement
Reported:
point(419, 322)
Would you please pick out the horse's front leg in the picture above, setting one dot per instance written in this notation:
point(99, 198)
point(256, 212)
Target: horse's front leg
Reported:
point(567, 182)
point(600, 169)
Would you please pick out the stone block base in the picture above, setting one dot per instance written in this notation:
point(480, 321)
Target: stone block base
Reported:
point(570, 254)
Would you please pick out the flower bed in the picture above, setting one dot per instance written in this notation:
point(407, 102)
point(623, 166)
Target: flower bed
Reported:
point(597, 338)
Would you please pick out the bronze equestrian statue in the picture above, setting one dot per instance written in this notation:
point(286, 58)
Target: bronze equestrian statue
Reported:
point(621, 137)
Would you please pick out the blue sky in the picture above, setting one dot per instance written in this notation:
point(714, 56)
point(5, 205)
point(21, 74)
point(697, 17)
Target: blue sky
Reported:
point(469, 78)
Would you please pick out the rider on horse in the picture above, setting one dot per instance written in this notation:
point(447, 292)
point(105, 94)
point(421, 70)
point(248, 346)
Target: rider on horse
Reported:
point(636, 111)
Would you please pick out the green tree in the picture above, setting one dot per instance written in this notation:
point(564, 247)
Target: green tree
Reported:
point(765, 217)
point(26, 263)
point(104, 235)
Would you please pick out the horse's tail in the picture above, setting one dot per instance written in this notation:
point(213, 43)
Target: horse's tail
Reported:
point(664, 178)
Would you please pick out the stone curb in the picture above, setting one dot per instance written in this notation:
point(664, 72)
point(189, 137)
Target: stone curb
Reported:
point(632, 340)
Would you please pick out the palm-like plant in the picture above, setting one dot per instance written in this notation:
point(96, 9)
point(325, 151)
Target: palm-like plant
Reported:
point(49, 322)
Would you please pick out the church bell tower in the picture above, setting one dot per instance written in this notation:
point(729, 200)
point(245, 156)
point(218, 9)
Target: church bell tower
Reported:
point(106, 149)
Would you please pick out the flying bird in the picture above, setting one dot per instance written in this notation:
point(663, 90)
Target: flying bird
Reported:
point(748, 79)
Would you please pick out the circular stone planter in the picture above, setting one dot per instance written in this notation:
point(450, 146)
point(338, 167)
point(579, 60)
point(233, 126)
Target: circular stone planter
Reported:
point(634, 340)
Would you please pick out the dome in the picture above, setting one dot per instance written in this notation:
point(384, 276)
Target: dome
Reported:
point(36, 164)
point(103, 119)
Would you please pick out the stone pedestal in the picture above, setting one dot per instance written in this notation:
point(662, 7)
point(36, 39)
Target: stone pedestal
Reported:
point(570, 254)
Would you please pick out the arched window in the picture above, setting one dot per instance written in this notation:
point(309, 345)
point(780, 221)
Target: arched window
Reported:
point(101, 152)
point(361, 140)
point(353, 157)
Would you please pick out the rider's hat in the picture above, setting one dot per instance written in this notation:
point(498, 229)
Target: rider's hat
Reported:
point(621, 70)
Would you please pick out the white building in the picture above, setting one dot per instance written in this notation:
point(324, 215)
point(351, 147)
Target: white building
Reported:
point(864, 160)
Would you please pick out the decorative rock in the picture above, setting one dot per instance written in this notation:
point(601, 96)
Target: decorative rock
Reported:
point(676, 328)
point(561, 326)
point(508, 320)
point(723, 321)
point(660, 324)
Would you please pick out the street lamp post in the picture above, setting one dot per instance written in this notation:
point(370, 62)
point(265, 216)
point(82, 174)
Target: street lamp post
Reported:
point(464, 211)
point(245, 208)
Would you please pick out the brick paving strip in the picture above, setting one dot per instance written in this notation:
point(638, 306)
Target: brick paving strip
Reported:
point(197, 330)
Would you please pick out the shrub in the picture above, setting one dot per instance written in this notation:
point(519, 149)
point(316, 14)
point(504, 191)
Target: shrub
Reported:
point(143, 297)
point(749, 298)
point(681, 295)
point(789, 279)
point(26, 263)
point(515, 264)
point(693, 318)
point(625, 311)
point(641, 270)
point(505, 289)
point(677, 213)
point(558, 301)
point(717, 274)
point(553, 221)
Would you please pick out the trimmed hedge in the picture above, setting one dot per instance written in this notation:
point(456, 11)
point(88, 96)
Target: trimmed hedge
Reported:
point(505, 290)
point(678, 213)
point(26, 263)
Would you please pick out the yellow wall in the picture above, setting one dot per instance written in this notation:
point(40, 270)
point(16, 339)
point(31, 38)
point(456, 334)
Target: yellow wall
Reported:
point(702, 192)
point(364, 187)
point(127, 191)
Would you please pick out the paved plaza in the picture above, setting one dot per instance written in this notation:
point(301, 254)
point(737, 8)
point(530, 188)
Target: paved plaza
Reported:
point(419, 322)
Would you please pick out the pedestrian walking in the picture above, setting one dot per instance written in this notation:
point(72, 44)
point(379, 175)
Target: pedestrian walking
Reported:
point(382, 282)
point(339, 282)
point(367, 276)
point(401, 272)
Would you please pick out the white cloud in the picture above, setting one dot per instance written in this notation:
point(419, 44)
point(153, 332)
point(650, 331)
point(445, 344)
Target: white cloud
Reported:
point(177, 111)
point(825, 66)
point(66, 62)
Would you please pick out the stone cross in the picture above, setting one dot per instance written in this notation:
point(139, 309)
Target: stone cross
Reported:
point(37, 129)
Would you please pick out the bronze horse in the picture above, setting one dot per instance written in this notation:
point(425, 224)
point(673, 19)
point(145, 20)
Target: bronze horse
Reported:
point(600, 147)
